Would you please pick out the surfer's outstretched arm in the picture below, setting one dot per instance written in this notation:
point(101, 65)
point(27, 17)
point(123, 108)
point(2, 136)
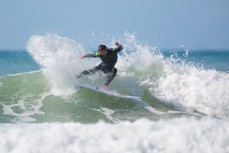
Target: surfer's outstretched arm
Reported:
point(90, 55)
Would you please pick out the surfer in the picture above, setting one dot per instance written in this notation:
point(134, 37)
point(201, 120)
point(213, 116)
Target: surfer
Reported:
point(109, 58)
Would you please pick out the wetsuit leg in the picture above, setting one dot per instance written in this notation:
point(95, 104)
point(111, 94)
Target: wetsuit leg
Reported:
point(89, 72)
point(111, 76)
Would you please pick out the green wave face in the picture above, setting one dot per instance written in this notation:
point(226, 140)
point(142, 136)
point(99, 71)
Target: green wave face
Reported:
point(27, 98)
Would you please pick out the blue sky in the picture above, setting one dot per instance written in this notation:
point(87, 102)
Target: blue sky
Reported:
point(196, 24)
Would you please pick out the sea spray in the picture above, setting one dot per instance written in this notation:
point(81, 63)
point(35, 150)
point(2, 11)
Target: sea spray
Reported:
point(186, 85)
point(179, 83)
point(204, 90)
point(59, 58)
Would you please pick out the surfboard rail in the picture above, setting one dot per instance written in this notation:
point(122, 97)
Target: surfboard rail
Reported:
point(108, 92)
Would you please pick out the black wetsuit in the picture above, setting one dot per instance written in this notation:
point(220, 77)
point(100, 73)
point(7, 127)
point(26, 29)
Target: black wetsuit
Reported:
point(107, 66)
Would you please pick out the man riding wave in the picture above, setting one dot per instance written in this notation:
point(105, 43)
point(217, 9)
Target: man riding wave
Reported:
point(109, 58)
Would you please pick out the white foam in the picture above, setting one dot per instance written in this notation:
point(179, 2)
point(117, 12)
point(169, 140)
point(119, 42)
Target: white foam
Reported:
point(186, 86)
point(27, 109)
point(204, 90)
point(139, 58)
point(59, 57)
point(165, 136)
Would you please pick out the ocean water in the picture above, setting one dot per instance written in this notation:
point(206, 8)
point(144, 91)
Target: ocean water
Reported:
point(184, 105)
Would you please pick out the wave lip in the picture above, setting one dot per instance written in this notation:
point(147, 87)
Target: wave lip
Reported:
point(59, 58)
point(172, 136)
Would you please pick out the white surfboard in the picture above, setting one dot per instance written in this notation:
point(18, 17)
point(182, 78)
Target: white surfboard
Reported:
point(108, 92)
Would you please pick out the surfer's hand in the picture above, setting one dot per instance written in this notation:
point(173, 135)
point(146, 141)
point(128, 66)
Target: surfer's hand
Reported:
point(117, 43)
point(82, 56)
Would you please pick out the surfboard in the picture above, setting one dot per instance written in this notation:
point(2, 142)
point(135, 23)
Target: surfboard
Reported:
point(108, 92)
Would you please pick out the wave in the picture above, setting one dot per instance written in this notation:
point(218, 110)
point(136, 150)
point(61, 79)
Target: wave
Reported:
point(194, 88)
point(140, 67)
point(167, 136)
point(27, 98)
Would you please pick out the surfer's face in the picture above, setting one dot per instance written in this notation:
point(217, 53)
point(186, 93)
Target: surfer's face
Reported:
point(103, 52)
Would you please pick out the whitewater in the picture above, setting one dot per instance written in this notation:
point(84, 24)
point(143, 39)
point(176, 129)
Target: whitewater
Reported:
point(184, 105)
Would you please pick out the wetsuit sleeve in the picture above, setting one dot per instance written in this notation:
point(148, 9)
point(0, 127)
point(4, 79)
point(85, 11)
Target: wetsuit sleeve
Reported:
point(97, 54)
point(117, 49)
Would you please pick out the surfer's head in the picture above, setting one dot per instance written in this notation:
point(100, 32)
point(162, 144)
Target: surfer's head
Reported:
point(103, 50)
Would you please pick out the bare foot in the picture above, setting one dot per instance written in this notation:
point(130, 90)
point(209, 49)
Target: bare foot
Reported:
point(82, 56)
point(105, 87)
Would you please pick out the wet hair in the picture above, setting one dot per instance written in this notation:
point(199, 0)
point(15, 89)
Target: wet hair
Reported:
point(102, 47)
